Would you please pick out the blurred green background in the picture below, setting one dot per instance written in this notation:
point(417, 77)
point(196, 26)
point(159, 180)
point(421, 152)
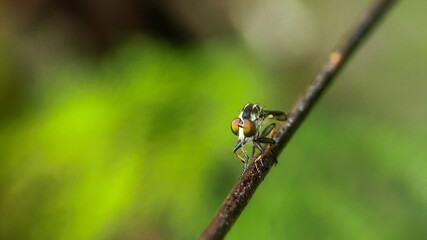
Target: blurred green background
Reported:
point(114, 119)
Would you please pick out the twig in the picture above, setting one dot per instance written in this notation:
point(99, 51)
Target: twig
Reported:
point(249, 181)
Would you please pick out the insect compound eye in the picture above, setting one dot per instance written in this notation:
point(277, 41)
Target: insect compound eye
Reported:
point(235, 126)
point(249, 128)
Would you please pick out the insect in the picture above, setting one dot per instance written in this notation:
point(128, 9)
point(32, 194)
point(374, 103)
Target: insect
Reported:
point(248, 128)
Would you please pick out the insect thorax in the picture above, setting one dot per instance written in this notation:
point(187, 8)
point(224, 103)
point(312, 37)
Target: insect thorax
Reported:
point(252, 112)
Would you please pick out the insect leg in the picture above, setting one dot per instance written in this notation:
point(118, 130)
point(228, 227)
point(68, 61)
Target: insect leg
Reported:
point(267, 130)
point(266, 140)
point(246, 165)
point(272, 132)
point(253, 159)
point(261, 149)
point(238, 156)
point(238, 145)
point(253, 153)
point(246, 162)
point(244, 152)
point(243, 169)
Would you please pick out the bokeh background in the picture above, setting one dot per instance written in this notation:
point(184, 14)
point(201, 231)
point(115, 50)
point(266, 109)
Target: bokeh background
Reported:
point(114, 119)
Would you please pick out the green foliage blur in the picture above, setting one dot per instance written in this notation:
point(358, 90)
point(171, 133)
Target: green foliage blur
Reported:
point(138, 146)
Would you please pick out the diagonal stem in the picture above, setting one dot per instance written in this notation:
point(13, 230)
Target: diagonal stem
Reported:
point(249, 181)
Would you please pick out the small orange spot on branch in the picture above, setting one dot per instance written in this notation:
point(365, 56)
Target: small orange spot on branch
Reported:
point(335, 57)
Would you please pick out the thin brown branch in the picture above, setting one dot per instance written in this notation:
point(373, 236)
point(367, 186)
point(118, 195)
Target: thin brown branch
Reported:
point(249, 181)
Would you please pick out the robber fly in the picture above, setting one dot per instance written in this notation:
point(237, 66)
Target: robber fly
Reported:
point(248, 128)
